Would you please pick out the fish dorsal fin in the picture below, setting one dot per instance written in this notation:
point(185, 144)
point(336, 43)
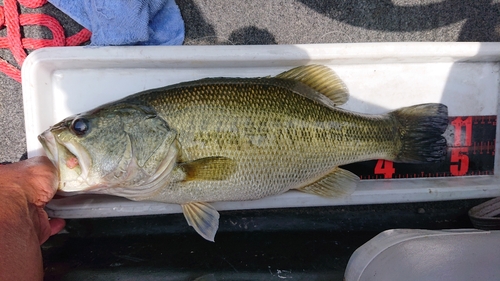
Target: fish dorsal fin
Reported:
point(322, 79)
point(203, 218)
point(214, 168)
point(338, 183)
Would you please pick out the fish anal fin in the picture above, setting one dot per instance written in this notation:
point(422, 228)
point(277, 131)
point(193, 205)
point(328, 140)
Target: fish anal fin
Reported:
point(322, 79)
point(210, 168)
point(338, 183)
point(203, 218)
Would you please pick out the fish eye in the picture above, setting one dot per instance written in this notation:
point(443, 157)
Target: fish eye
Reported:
point(80, 126)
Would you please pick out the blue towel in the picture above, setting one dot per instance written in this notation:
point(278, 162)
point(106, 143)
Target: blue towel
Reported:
point(127, 22)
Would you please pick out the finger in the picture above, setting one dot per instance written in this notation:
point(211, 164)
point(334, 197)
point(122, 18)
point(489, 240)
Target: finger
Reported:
point(42, 180)
point(41, 224)
point(56, 225)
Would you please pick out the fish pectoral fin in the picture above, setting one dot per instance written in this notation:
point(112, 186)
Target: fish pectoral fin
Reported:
point(210, 168)
point(203, 218)
point(338, 183)
point(322, 79)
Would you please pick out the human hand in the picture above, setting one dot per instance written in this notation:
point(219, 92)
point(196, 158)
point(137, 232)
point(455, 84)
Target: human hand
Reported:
point(25, 188)
point(33, 181)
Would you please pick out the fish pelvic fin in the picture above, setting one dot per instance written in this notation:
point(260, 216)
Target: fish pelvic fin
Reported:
point(208, 277)
point(210, 168)
point(338, 183)
point(421, 133)
point(321, 79)
point(203, 218)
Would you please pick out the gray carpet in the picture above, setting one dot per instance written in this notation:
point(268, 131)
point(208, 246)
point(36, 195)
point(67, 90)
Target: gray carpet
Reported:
point(284, 22)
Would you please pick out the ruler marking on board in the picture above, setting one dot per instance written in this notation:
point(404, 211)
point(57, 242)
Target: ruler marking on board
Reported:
point(471, 152)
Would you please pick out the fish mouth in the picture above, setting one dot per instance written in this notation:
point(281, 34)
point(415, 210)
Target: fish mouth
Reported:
point(49, 146)
point(71, 161)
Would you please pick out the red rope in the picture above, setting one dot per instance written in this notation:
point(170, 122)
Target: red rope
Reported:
point(12, 20)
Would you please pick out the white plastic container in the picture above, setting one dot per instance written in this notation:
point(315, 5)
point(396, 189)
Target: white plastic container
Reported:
point(421, 255)
point(58, 82)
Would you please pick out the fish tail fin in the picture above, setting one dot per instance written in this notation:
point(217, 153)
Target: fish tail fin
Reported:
point(421, 132)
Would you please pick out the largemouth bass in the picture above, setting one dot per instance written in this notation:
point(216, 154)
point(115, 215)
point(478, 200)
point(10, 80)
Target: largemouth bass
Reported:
point(220, 139)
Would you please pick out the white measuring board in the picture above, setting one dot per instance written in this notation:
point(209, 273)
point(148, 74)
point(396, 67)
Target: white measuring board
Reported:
point(58, 82)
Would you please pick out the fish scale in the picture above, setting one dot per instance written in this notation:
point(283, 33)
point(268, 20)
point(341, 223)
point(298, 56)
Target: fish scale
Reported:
point(279, 140)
